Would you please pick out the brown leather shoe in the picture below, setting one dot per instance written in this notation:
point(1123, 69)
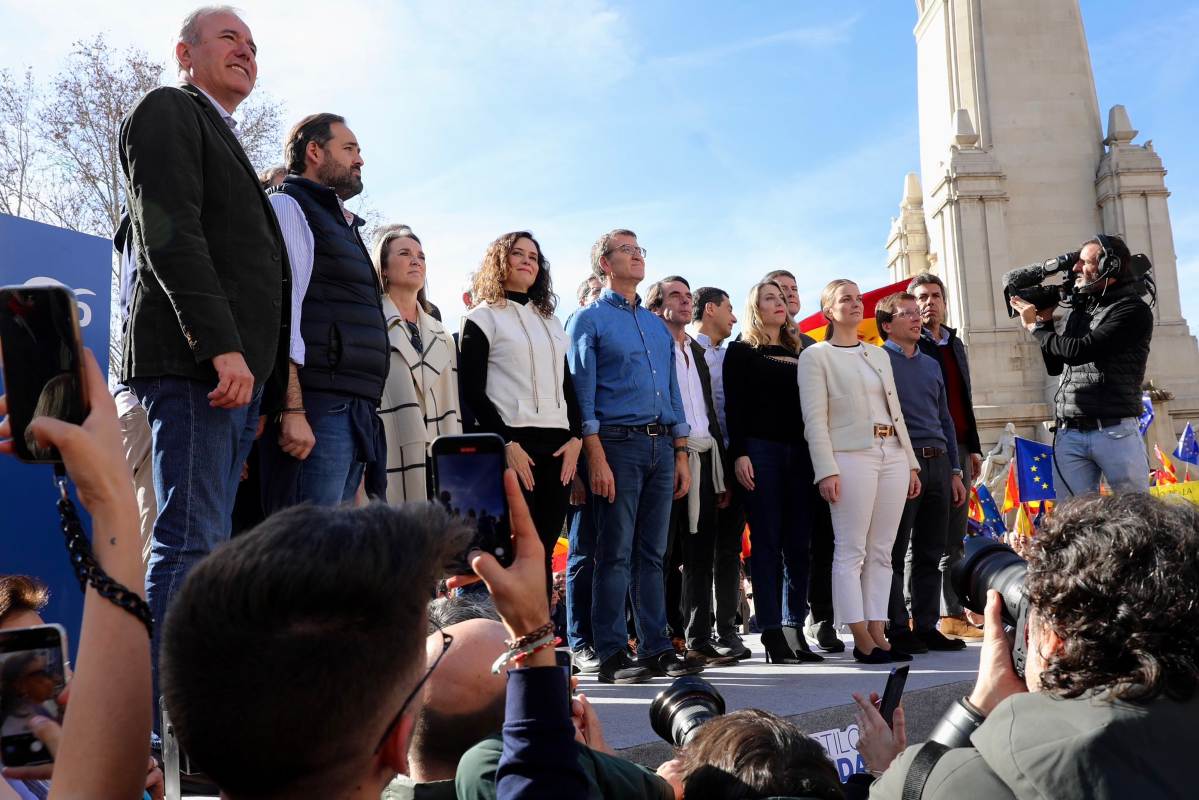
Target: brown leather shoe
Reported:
point(959, 628)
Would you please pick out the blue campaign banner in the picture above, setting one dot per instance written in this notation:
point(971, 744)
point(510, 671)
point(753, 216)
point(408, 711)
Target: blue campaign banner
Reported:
point(31, 541)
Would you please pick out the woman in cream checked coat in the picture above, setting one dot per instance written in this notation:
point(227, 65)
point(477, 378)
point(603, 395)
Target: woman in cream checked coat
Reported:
point(420, 399)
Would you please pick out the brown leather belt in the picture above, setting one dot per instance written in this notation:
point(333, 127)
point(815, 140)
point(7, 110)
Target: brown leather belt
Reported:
point(930, 452)
point(883, 431)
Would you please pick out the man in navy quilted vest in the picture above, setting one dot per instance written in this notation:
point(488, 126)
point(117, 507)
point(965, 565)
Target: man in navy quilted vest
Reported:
point(315, 450)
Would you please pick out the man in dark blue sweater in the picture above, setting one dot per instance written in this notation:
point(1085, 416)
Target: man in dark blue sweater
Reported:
point(925, 521)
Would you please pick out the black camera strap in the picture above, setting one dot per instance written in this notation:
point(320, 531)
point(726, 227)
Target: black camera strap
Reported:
point(922, 767)
point(83, 559)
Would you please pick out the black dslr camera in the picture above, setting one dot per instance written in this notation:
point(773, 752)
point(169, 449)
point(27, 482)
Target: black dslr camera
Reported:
point(1028, 283)
point(987, 564)
point(681, 708)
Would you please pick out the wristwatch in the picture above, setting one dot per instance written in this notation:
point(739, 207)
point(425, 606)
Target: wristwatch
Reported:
point(957, 472)
point(678, 450)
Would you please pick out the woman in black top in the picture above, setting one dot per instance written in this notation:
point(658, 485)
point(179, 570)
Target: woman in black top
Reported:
point(512, 369)
point(773, 468)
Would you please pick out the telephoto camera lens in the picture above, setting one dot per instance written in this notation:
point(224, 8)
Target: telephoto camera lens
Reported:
point(988, 564)
point(681, 708)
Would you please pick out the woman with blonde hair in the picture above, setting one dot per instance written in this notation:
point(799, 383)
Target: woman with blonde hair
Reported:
point(863, 465)
point(515, 380)
point(420, 398)
point(772, 466)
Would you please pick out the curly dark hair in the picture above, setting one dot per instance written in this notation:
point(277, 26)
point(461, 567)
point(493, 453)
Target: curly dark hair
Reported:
point(489, 280)
point(1117, 578)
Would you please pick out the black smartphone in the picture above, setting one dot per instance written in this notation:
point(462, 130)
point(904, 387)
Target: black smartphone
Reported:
point(43, 363)
point(893, 693)
point(468, 479)
point(32, 675)
point(564, 659)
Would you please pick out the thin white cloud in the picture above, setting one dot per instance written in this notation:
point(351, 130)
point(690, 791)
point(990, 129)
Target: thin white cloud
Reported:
point(812, 36)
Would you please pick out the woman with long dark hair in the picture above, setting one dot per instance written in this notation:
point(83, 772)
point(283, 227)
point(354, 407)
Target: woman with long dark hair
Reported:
point(515, 380)
point(773, 468)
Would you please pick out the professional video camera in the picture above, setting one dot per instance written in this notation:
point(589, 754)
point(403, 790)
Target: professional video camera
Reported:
point(1028, 283)
point(988, 564)
point(1115, 261)
point(683, 706)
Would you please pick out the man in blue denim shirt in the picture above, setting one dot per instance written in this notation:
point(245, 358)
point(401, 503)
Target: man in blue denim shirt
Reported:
point(635, 440)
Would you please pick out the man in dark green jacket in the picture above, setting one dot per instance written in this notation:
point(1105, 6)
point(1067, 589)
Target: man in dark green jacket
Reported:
point(207, 310)
point(1108, 702)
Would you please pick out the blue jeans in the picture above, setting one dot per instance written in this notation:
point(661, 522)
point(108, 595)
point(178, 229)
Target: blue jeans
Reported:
point(331, 473)
point(1116, 451)
point(780, 524)
point(198, 453)
point(630, 543)
point(579, 574)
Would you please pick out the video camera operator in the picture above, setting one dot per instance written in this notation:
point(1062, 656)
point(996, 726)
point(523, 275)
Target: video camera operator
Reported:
point(1101, 356)
point(1107, 703)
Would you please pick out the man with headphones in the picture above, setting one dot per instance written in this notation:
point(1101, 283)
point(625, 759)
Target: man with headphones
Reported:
point(1100, 354)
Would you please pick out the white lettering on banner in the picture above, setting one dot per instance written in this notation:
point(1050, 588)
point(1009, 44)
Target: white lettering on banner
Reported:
point(85, 311)
point(841, 745)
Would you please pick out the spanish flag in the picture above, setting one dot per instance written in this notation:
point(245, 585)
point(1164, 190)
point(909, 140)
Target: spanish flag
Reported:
point(815, 324)
point(1167, 474)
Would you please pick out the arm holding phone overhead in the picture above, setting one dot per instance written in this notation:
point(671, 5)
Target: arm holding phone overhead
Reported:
point(105, 739)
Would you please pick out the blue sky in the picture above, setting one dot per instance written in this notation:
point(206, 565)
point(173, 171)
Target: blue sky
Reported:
point(732, 138)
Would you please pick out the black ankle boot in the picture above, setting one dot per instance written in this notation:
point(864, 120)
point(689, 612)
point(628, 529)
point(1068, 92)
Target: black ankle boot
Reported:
point(777, 649)
point(797, 642)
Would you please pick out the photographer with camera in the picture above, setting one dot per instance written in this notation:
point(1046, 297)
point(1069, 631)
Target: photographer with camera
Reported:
point(1107, 701)
point(1101, 356)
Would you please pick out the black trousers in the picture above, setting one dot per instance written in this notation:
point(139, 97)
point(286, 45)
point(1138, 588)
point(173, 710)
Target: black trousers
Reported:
point(820, 577)
point(925, 525)
point(548, 503)
point(689, 591)
point(730, 524)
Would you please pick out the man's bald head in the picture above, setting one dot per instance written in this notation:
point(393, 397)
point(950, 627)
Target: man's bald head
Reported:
point(463, 701)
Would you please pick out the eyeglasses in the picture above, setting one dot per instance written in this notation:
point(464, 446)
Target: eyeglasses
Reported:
point(446, 641)
point(906, 313)
point(627, 249)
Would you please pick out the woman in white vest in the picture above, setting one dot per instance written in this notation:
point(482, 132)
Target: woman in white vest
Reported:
point(863, 463)
point(514, 377)
point(420, 399)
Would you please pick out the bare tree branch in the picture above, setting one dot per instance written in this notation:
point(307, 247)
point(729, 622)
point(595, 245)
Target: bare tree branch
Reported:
point(81, 122)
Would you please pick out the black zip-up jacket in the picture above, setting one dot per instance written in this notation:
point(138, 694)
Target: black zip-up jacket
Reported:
point(1100, 355)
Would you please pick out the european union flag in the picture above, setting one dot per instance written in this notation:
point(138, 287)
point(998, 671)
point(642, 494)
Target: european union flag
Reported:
point(992, 521)
point(1146, 418)
point(1034, 470)
point(1188, 448)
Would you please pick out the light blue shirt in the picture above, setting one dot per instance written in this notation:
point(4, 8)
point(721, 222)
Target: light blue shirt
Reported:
point(621, 359)
point(714, 357)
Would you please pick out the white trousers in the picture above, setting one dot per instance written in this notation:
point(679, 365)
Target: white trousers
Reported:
point(874, 487)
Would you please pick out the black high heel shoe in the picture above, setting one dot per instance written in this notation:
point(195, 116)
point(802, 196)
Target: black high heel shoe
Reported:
point(797, 642)
point(777, 649)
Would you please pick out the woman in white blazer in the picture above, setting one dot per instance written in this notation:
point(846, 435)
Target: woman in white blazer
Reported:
point(863, 463)
point(420, 398)
point(515, 380)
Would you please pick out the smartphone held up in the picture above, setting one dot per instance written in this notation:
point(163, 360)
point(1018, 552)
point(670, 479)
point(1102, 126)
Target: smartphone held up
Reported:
point(32, 676)
point(43, 363)
point(468, 480)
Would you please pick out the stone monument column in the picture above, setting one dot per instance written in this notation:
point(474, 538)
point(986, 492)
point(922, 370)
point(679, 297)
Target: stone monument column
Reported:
point(1132, 196)
point(1010, 147)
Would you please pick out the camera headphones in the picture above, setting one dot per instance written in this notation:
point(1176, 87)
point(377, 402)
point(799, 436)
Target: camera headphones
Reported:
point(1111, 263)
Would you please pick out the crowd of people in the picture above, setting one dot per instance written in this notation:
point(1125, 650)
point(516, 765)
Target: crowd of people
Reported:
point(270, 351)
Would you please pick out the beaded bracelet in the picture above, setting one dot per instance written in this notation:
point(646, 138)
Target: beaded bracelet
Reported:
point(519, 652)
point(539, 633)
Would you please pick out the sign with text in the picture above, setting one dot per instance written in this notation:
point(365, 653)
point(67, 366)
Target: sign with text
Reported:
point(841, 745)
